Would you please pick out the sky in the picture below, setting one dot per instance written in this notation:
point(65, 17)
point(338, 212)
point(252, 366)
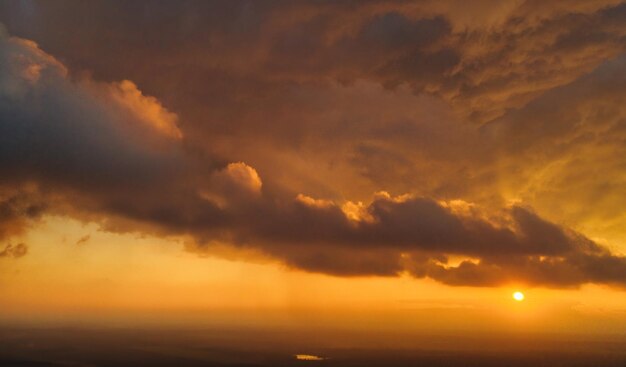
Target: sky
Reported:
point(375, 165)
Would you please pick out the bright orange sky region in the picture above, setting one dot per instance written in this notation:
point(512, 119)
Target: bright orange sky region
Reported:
point(419, 167)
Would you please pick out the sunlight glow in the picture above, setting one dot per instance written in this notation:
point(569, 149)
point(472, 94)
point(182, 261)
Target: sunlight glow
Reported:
point(518, 296)
point(308, 357)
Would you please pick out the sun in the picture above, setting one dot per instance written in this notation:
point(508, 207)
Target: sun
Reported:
point(518, 296)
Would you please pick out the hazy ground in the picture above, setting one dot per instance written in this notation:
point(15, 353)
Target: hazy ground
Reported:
point(60, 347)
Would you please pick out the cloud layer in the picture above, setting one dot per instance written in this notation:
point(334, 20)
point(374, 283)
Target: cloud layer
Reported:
point(499, 141)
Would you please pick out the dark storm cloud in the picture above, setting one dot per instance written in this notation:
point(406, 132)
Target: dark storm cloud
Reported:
point(483, 67)
point(246, 45)
point(381, 46)
point(295, 91)
point(569, 270)
point(105, 146)
point(57, 128)
point(535, 48)
point(418, 234)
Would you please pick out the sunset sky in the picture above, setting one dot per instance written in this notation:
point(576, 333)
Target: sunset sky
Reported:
point(359, 165)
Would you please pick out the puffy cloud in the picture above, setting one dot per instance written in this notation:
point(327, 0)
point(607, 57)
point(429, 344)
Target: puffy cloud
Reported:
point(239, 176)
point(417, 235)
point(236, 184)
point(77, 137)
point(145, 108)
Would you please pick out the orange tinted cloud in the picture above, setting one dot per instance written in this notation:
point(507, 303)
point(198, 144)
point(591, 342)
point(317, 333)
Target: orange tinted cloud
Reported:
point(324, 111)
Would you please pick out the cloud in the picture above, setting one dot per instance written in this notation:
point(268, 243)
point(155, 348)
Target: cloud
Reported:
point(567, 271)
point(76, 137)
point(146, 109)
point(418, 234)
point(83, 240)
point(330, 105)
point(571, 143)
point(19, 209)
point(14, 251)
point(482, 59)
point(50, 121)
